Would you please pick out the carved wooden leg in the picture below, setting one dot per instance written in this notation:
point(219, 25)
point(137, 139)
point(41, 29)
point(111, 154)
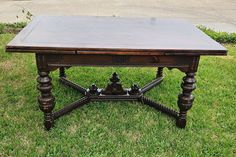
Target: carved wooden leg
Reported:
point(46, 99)
point(159, 72)
point(186, 98)
point(62, 72)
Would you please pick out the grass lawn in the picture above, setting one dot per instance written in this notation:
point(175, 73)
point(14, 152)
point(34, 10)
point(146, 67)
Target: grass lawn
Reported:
point(118, 128)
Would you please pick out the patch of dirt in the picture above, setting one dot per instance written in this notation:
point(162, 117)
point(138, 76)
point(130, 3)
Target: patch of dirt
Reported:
point(7, 65)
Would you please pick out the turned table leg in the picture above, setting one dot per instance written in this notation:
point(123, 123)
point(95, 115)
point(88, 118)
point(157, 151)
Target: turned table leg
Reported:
point(159, 72)
point(186, 98)
point(46, 99)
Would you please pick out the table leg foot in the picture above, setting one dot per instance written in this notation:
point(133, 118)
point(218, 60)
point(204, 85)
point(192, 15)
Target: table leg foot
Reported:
point(62, 72)
point(159, 72)
point(186, 98)
point(181, 122)
point(48, 121)
point(46, 99)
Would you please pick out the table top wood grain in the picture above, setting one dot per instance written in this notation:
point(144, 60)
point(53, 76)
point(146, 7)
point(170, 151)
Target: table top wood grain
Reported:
point(113, 35)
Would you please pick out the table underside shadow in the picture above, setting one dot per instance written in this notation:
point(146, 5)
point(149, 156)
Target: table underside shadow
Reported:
point(113, 92)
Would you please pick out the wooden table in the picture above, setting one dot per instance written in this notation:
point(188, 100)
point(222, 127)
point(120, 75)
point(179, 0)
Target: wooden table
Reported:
point(60, 42)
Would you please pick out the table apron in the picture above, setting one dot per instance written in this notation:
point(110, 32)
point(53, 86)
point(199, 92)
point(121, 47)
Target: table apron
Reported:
point(122, 60)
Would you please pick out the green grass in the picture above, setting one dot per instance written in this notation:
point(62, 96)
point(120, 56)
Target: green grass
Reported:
point(118, 128)
point(11, 27)
point(222, 37)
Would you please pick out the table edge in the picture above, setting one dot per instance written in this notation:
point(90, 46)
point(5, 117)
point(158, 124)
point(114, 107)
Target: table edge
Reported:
point(112, 51)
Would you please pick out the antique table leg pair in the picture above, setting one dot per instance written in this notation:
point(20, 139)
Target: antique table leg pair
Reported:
point(113, 91)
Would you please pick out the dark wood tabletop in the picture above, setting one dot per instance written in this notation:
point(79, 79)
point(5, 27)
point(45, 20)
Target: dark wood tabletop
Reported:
point(113, 35)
